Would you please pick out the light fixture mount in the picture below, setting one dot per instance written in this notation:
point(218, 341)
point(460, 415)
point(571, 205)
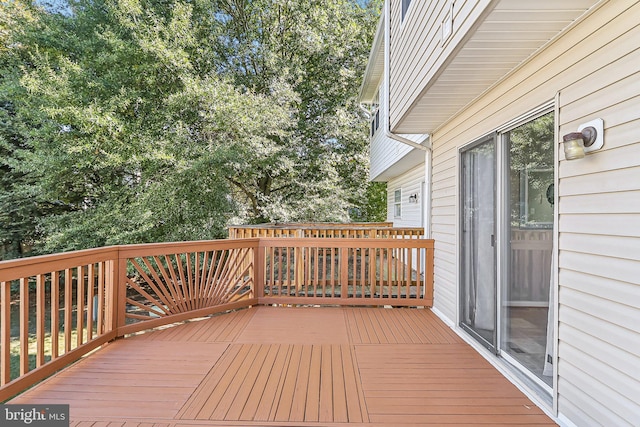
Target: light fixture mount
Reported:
point(593, 135)
point(588, 138)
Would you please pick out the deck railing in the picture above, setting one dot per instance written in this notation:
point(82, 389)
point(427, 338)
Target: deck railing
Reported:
point(48, 316)
point(346, 271)
point(380, 230)
point(57, 308)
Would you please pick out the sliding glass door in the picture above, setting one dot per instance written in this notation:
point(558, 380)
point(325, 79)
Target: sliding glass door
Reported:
point(506, 244)
point(478, 265)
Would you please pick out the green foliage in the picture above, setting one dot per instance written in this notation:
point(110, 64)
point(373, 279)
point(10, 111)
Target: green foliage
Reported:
point(131, 121)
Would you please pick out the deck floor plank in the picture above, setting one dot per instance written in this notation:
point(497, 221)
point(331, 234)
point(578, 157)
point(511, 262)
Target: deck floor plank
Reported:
point(225, 391)
point(356, 405)
point(256, 392)
point(338, 391)
point(273, 388)
point(290, 374)
point(299, 399)
point(279, 366)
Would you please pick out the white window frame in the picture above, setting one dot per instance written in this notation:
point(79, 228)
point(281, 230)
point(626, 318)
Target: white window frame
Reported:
point(397, 203)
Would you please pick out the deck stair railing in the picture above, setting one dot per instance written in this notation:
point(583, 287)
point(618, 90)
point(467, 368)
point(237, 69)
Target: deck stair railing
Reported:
point(57, 308)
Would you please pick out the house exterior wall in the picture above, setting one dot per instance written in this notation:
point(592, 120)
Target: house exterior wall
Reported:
point(410, 183)
point(422, 53)
point(593, 70)
point(384, 152)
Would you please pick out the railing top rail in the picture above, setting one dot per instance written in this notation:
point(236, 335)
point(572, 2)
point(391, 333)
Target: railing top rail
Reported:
point(313, 224)
point(26, 267)
point(150, 249)
point(329, 228)
point(42, 264)
point(346, 243)
point(321, 226)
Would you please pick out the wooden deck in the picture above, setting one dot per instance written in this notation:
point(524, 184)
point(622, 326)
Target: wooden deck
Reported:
point(278, 366)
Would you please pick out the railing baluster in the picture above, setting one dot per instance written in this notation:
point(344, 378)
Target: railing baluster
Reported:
point(397, 269)
point(322, 270)
point(55, 314)
point(196, 280)
point(204, 279)
point(24, 325)
point(183, 285)
point(410, 272)
point(179, 295)
point(80, 306)
point(223, 260)
point(380, 270)
point(316, 282)
point(209, 283)
point(40, 307)
point(101, 289)
point(190, 289)
point(420, 292)
point(272, 268)
point(68, 293)
point(5, 332)
point(352, 267)
point(90, 294)
point(363, 276)
point(332, 276)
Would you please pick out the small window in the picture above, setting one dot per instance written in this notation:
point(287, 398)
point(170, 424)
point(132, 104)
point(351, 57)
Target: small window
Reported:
point(375, 121)
point(397, 203)
point(405, 7)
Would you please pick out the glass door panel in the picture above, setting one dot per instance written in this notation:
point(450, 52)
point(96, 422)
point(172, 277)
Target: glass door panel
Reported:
point(478, 264)
point(529, 229)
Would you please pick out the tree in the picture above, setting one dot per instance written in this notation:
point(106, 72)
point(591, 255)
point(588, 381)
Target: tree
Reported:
point(319, 49)
point(138, 121)
point(20, 205)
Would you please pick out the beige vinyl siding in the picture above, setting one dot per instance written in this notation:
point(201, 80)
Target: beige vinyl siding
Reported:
point(443, 227)
point(600, 245)
point(421, 54)
point(410, 183)
point(595, 68)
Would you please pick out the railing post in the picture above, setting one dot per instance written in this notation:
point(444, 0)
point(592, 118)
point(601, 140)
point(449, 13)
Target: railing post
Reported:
point(121, 292)
point(429, 273)
point(344, 272)
point(111, 294)
point(259, 266)
point(116, 276)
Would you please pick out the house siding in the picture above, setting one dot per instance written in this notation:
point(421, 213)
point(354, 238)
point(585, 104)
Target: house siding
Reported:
point(410, 183)
point(594, 70)
point(421, 53)
point(384, 152)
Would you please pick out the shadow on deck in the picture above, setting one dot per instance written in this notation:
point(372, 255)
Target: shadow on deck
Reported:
point(283, 366)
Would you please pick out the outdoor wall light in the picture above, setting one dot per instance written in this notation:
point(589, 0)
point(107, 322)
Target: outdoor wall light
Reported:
point(588, 138)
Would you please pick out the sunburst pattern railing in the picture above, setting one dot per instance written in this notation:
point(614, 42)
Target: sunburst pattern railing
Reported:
point(178, 283)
